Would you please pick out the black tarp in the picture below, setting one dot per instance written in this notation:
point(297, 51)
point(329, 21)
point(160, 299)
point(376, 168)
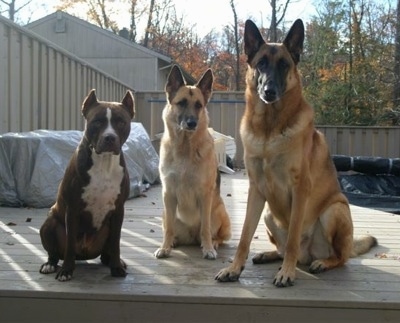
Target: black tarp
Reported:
point(372, 182)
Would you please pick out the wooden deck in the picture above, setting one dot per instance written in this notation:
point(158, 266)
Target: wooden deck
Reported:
point(182, 288)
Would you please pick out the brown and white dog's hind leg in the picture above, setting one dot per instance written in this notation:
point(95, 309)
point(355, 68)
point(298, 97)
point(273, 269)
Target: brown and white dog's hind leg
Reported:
point(53, 236)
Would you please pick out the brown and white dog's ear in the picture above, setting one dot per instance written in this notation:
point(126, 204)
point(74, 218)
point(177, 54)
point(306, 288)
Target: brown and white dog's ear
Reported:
point(90, 100)
point(205, 84)
point(252, 40)
point(294, 40)
point(174, 82)
point(129, 103)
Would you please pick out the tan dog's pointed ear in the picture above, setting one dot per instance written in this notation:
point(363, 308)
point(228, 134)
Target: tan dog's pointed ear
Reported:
point(252, 40)
point(174, 82)
point(205, 84)
point(294, 40)
point(129, 103)
point(90, 100)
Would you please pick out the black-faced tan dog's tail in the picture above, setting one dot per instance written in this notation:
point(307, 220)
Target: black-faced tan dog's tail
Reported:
point(362, 245)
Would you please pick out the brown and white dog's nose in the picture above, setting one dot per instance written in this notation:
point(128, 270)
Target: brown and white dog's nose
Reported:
point(109, 139)
point(108, 142)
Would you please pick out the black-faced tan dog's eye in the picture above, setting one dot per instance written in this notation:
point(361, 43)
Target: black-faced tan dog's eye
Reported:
point(283, 63)
point(262, 64)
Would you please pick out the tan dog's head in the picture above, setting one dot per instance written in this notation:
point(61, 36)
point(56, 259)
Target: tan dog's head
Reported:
point(187, 103)
point(272, 67)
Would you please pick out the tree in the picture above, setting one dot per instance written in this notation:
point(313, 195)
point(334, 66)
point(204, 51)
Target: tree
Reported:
point(98, 11)
point(395, 113)
point(149, 23)
point(277, 9)
point(12, 9)
point(347, 62)
point(237, 51)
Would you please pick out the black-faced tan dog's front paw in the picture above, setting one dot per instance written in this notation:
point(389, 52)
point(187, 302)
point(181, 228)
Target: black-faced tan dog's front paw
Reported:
point(229, 274)
point(284, 278)
point(162, 253)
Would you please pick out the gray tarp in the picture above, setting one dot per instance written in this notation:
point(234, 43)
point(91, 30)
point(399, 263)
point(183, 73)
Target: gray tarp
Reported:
point(32, 164)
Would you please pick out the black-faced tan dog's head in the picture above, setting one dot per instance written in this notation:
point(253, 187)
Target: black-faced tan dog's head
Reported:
point(108, 124)
point(272, 67)
point(187, 103)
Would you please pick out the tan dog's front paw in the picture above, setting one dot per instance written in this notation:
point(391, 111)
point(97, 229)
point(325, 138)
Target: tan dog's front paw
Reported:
point(210, 254)
point(162, 252)
point(284, 278)
point(229, 274)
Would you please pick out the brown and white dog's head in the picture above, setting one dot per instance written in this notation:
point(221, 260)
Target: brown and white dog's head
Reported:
point(108, 124)
point(272, 67)
point(187, 103)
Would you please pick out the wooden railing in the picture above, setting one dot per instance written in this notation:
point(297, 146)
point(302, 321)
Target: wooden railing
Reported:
point(42, 86)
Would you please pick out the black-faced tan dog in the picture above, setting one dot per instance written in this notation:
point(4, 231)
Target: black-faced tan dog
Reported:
point(289, 166)
point(194, 212)
point(85, 222)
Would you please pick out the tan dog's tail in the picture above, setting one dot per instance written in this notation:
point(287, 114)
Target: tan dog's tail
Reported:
point(363, 244)
point(225, 229)
point(223, 222)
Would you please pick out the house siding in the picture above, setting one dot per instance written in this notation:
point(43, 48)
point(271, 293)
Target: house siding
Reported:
point(141, 68)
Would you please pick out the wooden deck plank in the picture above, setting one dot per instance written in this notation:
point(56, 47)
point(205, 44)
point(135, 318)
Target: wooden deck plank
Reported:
point(182, 287)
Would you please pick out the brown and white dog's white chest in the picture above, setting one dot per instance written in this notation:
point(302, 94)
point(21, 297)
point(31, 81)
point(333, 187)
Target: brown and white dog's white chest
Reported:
point(104, 186)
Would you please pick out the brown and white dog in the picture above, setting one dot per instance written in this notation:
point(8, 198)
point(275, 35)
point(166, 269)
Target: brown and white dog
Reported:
point(289, 166)
point(194, 212)
point(86, 219)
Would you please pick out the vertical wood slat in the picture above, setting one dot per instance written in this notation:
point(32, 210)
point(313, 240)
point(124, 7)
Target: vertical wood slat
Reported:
point(4, 72)
point(26, 71)
point(14, 80)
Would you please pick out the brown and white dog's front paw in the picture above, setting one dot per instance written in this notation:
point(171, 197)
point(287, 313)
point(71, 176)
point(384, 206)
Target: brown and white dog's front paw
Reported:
point(48, 268)
point(64, 275)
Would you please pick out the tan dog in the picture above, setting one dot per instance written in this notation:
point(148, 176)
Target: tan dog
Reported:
point(194, 211)
point(289, 166)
